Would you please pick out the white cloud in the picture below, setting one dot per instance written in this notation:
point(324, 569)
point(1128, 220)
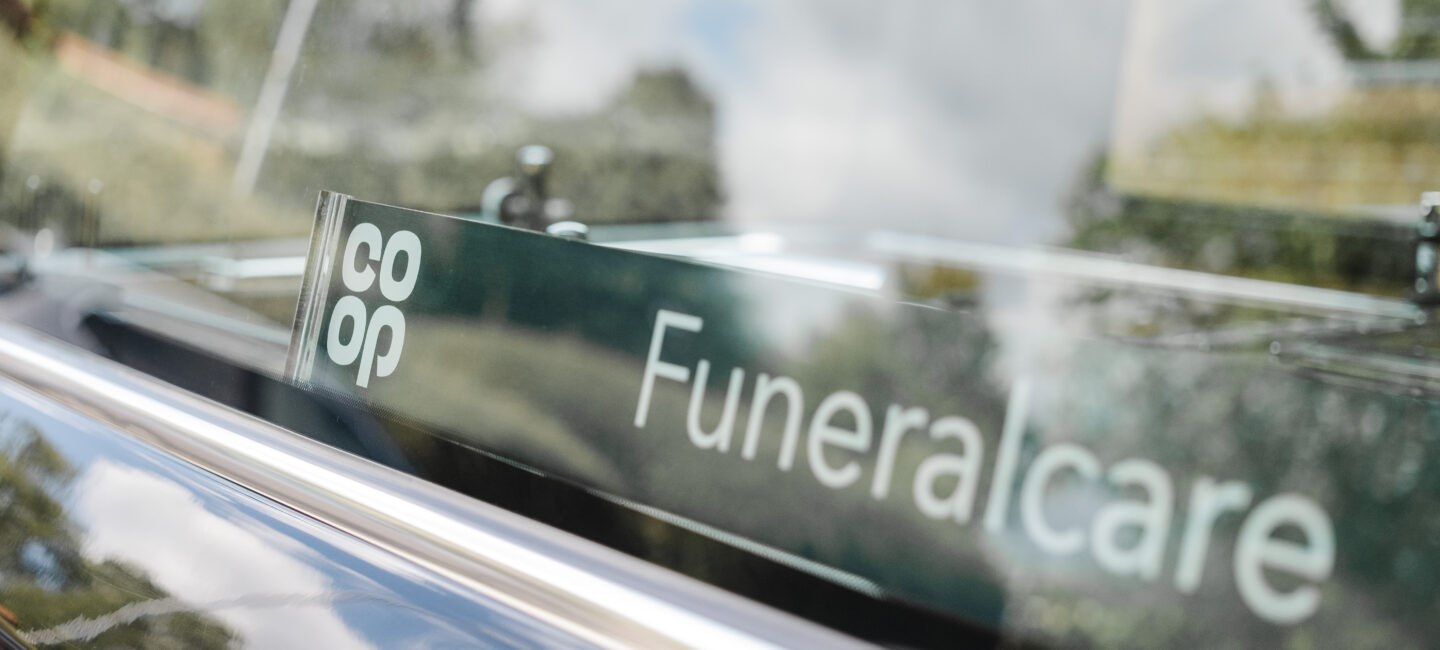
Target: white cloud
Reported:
point(968, 119)
point(195, 555)
point(571, 56)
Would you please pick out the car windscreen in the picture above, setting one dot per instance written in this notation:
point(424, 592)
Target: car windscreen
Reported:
point(1074, 323)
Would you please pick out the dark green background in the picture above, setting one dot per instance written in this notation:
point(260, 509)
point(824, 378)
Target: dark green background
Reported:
point(532, 347)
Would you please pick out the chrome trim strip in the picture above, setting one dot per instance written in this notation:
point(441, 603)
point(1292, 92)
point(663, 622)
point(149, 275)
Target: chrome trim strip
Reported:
point(265, 333)
point(305, 331)
point(1101, 269)
point(597, 594)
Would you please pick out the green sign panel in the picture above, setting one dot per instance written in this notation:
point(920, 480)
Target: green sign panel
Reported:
point(1073, 490)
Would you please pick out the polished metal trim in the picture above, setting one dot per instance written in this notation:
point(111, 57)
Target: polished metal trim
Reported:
point(594, 593)
point(315, 284)
point(1096, 268)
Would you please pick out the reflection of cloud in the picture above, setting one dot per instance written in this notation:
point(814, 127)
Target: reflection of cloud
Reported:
point(1187, 58)
point(195, 555)
point(965, 119)
point(578, 54)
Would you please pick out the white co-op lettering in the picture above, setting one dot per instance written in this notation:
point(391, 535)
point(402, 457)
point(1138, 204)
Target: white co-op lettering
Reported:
point(366, 246)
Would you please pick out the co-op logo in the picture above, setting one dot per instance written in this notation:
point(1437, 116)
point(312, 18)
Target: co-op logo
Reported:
point(358, 272)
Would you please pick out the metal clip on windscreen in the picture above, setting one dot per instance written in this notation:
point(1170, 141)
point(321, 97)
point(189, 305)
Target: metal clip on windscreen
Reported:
point(522, 199)
point(1427, 252)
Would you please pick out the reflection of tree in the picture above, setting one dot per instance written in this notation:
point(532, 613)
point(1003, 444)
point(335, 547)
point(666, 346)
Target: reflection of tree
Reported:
point(217, 45)
point(462, 12)
point(1364, 454)
point(396, 106)
point(938, 360)
point(1368, 144)
point(647, 156)
point(46, 579)
point(166, 33)
point(15, 28)
point(1418, 38)
point(604, 296)
point(151, 176)
point(566, 405)
point(1238, 240)
point(395, 103)
point(1370, 148)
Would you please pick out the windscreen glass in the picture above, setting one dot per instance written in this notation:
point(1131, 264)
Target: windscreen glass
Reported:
point(1086, 323)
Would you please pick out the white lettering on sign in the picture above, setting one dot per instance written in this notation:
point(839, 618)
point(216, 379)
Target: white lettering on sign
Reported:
point(1126, 537)
point(354, 333)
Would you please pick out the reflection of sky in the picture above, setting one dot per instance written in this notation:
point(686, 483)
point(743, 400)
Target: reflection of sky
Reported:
point(273, 576)
point(965, 119)
point(197, 556)
point(717, 27)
